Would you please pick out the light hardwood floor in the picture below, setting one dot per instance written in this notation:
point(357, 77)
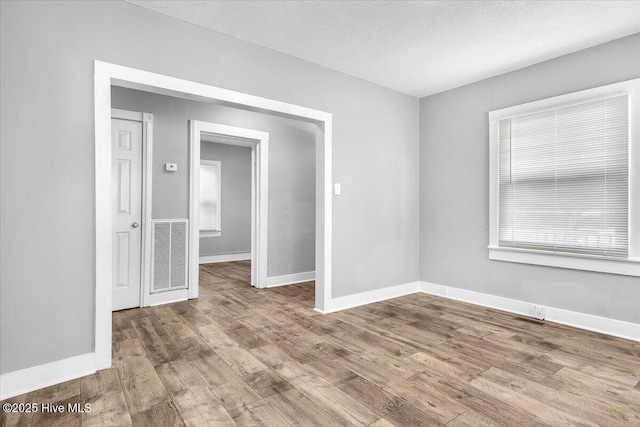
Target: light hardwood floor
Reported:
point(247, 357)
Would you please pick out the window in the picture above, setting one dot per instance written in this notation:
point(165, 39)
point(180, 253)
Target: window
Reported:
point(210, 198)
point(565, 181)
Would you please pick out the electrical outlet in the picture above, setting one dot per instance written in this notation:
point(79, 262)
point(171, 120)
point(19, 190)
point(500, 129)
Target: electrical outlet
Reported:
point(538, 312)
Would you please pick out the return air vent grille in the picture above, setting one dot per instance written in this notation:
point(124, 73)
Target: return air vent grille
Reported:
point(169, 255)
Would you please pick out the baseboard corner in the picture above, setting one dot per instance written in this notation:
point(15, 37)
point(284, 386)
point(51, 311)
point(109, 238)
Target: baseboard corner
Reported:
point(369, 297)
point(589, 322)
point(29, 379)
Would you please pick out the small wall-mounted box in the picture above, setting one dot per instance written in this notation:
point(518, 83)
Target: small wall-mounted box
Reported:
point(171, 167)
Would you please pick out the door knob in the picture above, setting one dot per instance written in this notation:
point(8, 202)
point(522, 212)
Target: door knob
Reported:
point(135, 225)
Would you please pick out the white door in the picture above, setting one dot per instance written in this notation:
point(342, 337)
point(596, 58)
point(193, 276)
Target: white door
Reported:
point(126, 172)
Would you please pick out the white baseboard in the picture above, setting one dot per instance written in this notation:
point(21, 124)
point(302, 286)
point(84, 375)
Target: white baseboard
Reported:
point(576, 319)
point(25, 380)
point(290, 279)
point(350, 301)
point(478, 298)
point(167, 297)
point(604, 325)
point(210, 259)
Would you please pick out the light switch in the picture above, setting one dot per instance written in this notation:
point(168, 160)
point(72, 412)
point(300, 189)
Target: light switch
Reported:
point(337, 190)
point(171, 167)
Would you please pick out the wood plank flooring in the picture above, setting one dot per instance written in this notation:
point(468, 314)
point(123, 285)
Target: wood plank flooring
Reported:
point(247, 357)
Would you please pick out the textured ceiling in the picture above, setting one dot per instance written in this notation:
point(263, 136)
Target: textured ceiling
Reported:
point(415, 47)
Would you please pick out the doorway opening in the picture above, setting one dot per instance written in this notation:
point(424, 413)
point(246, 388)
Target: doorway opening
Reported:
point(259, 143)
point(106, 75)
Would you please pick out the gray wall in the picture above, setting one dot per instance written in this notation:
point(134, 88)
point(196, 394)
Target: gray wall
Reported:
point(47, 272)
point(291, 228)
point(235, 163)
point(454, 182)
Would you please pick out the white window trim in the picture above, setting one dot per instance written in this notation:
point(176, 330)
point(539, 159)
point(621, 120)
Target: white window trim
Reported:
point(629, 266)
point(217, 232)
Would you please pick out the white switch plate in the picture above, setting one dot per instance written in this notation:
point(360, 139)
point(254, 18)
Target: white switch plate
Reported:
point(171, 167)
point(337, 190)
point(538, 312)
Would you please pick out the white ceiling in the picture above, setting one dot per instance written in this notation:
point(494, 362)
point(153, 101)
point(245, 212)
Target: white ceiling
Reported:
point(416, 47)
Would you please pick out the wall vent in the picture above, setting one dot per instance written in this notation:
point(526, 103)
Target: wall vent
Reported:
point(170, 266)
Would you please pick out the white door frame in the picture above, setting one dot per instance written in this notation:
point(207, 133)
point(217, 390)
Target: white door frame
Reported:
point(105, 75)
point(147, 160)
point(259, 143)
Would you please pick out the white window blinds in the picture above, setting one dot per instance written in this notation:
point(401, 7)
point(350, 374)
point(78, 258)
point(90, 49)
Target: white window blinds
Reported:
point(564, 179)
point(210, 195)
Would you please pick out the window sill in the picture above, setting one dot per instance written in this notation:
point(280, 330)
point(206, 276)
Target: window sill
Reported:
point(626, 267)
point(204, 234)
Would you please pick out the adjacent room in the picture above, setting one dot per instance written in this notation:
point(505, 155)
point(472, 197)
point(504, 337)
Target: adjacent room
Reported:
point(376, 213)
